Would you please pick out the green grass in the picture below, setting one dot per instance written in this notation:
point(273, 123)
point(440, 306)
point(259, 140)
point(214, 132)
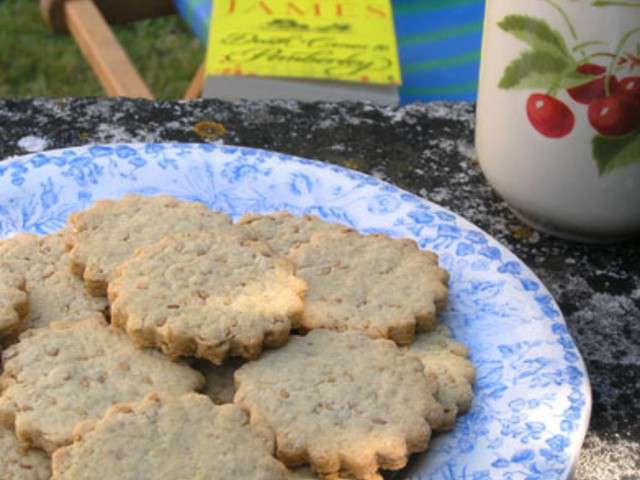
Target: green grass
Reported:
point(36, 62)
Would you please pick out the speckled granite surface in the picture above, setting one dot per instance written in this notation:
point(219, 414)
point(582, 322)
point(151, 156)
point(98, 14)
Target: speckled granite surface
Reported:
point(426, 149)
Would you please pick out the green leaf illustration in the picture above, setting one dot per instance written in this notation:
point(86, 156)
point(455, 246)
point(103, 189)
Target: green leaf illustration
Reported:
point(616, 4)
point(611, 153)
point(536, 33)
point(542, 70)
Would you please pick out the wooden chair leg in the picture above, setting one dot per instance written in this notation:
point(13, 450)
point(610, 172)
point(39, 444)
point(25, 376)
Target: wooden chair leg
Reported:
point(102, 50)
point(195, 88)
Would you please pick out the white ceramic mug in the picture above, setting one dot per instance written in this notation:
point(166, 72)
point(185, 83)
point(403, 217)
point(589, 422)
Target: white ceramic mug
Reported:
point(558, 121)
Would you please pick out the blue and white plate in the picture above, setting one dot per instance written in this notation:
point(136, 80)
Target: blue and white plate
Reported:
point(532, 397)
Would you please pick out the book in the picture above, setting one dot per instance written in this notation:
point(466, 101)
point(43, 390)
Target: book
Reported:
point(304, 50)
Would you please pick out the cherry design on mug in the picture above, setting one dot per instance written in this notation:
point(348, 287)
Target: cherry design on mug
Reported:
point(630, 85)
point(615, 115)
point(619, 113)
point(573, 82)
point(550, 116)
point(594, 89)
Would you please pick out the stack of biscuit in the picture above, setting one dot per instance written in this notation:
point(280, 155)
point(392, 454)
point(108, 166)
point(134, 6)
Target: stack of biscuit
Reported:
point(316, 350)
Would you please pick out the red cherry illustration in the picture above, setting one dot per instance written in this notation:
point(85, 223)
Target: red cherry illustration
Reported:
point(594, 89)
point(591, 69)
point(549, 116)
point(629, 85)
point(615, 115)
point(633, 59)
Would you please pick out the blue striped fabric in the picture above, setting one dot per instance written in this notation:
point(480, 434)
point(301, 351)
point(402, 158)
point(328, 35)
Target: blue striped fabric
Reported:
point(438, 41)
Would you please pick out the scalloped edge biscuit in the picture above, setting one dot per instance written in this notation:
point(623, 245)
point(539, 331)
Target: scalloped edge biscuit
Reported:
point(208, 295)
point(283, 231)
point(68, 372)
point(199, 440)
point(53, 292)
point(385, 287)
point(110, 231)
point(446, 361)
point(341, 402)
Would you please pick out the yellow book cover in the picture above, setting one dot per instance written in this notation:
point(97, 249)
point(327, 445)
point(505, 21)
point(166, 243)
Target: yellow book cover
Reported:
point(344, 40)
